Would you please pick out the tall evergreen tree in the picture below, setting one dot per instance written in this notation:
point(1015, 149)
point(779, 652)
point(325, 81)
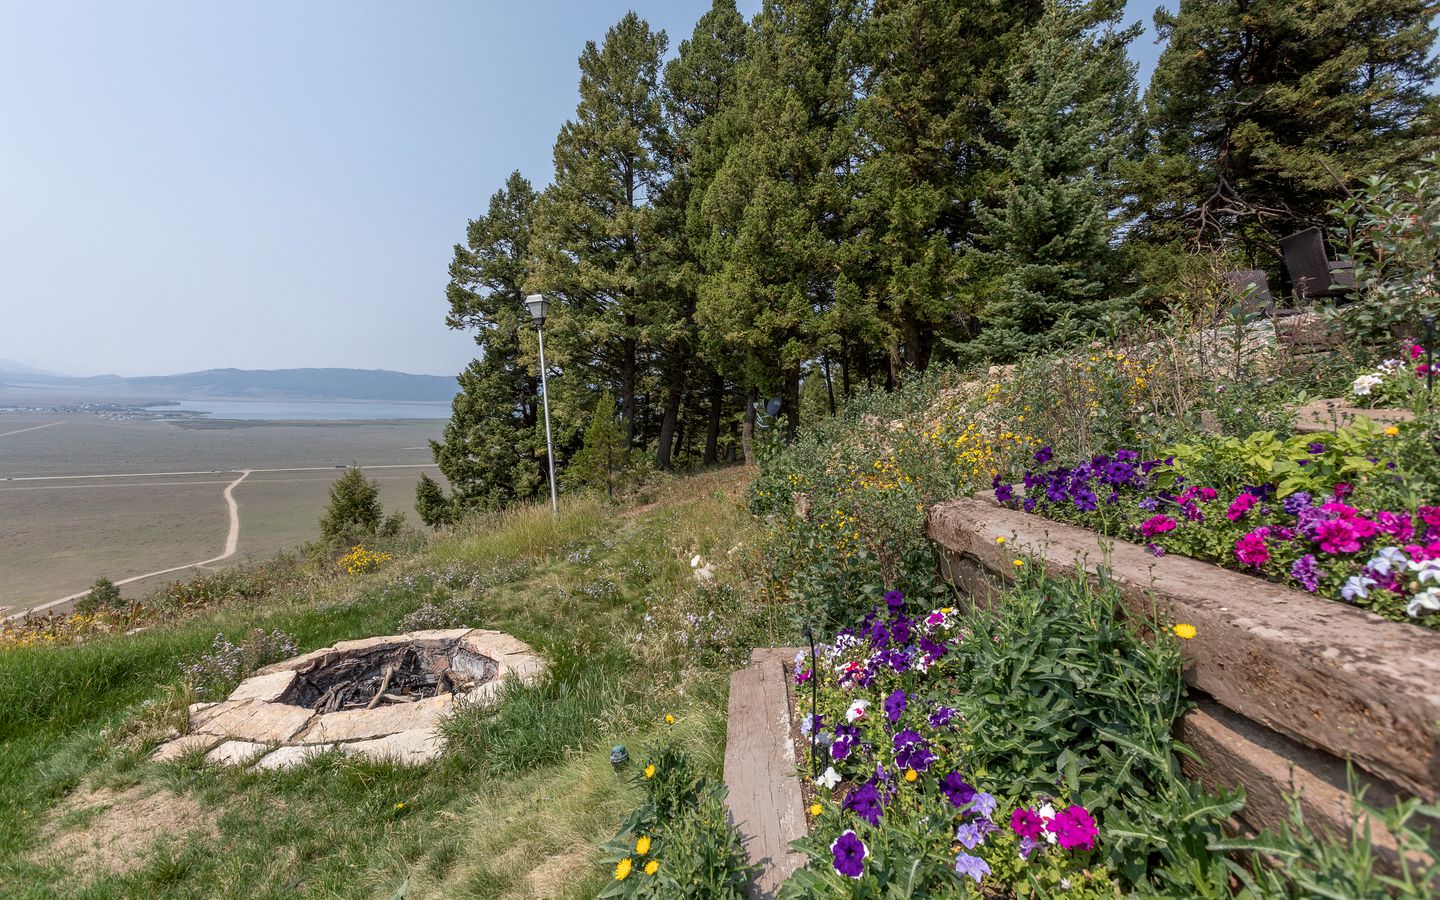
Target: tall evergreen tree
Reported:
point(933, 76)
point(492, 451)
point(1261, 110)
point(597, 247)
point(698, 85)
point(1050, 240)
point(773, 215)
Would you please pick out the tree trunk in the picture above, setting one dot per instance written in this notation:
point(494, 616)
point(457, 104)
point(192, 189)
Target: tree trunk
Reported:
point(712, 434)
point(673, 394)
point(829, 384)
point(747, 428)
point(919, 344)
point(792, 403)
point(627, 387)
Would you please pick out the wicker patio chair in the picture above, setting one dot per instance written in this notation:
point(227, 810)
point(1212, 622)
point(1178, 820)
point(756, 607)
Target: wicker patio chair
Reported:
point(1314, 275)
point(1251, 288)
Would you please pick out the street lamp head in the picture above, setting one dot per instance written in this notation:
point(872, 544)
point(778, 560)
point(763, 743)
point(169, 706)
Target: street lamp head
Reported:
point(539, 307)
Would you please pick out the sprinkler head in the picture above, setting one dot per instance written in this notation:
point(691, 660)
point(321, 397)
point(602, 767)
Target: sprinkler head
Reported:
point(619, 756)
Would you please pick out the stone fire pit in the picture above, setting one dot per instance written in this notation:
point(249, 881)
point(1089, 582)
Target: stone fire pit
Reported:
point(379, 697)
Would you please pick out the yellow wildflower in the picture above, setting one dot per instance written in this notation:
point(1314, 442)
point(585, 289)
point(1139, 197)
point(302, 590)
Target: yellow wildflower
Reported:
point(1019, 563)
point(669, 719)
point(650, 771)
point(642, 846)
point(1392, 431)
point(1185, 631)
point(911, 775)
point(652, 867)
point(1000, 540)
point(815, 810)
point(399, 806)
point(622, 869)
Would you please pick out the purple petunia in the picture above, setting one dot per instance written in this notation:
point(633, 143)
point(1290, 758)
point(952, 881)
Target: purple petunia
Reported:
point(973, 866)
point(865, 803)
point(895, 600)
point(983, 805)
point(956, 789)
point(1043, 455)
point(972, 834)
point(895, 705)
point(1296, 503)
point(1307, 572)
point(941, 716)
point(849, 853)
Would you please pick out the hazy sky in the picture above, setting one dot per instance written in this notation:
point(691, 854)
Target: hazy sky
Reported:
point(188, 185)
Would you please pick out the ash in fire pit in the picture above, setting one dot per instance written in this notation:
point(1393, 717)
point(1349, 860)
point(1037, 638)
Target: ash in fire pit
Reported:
point(366, 679)
point(380, 697)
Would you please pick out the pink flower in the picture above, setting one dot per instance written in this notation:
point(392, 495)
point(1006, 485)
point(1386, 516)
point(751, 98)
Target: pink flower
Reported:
point(1416, 351)
point(1207, 494)
point(1337, 536)
point(1157, 525)
point(1240, 507)
point(1027, 823)
point(1074, 828)
point(1343, 490)
point(1397, 525)
point(1250, 550)
point(1422, 369)
point(1430, 515)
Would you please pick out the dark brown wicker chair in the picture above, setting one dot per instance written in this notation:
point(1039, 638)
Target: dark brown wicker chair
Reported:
point(1314, 275)
point(1251, 288)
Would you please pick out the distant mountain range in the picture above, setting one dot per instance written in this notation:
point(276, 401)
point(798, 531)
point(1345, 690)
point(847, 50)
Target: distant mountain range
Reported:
point(250, 384)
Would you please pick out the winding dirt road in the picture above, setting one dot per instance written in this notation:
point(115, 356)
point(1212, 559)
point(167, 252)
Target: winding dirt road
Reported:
point(232, 543)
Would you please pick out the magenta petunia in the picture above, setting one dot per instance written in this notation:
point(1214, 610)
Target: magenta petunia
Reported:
point(1239, 507)
point(1157, 525)
point(1074, 829)
point(1027, 823)
point(1250, 550)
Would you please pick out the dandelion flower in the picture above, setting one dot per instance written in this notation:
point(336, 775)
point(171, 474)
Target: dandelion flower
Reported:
point(1000, 540)
point(669, 719)
point(622, 869)
point(911, 775)
point(399, 806)
point(652, 867)
point(650, 771)
point(1392, 431)
point(642, 846)
point(1018, 563)
point(815, 810)
point(1184, 631)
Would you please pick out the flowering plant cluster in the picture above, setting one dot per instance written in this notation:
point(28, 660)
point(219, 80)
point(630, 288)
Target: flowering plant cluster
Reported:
point(1320, 541)
point(1395, 380)
point(894, 784)
point(361, 560)
point(215, 672)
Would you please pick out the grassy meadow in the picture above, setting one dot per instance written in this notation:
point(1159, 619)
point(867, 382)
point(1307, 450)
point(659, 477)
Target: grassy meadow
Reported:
point(518, 806)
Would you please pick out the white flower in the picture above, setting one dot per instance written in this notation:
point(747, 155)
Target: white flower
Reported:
point(1425, 601)
point(829, 779)
point(1357, 586)
point(1387, 560)
point(1426, 570)
point(1047, 812)
point(856, 710)
point(1390, 365)
point(1365, 384)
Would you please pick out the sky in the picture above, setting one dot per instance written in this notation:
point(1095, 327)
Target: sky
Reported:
point(191, 185)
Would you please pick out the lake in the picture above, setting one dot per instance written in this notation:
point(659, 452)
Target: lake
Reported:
point(311, 410)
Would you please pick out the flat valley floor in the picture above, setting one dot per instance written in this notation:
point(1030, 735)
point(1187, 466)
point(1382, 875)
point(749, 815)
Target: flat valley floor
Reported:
point(83, 496)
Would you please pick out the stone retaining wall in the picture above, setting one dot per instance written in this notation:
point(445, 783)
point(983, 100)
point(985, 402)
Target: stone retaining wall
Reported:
point(1292, 685)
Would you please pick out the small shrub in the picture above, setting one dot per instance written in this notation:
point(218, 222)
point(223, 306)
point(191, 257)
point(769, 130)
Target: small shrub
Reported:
point(104, 595)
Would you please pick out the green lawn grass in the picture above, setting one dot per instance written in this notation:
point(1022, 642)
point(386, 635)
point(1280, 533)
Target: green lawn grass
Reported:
point(517, 807)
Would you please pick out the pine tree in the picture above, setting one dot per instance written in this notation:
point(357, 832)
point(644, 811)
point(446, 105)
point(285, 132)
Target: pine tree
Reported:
point(934, 73)
point(431, 503)
point(1263, 110)
point(773, 215)
point(492, 451)
point(698, 85)
point(354, 513)
point(1051, 238)
point(603, 460)
point(597, 248)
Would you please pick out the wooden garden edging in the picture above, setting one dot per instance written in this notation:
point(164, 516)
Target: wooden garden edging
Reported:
point(762, 781)
point(1296, 680)
point(1327, 415)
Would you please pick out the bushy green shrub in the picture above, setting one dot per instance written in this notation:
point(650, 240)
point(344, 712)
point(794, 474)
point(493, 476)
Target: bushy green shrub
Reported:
point(678, 844)
point(103, 595)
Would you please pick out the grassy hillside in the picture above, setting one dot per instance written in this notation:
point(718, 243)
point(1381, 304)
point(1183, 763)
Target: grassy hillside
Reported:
point(516, 809)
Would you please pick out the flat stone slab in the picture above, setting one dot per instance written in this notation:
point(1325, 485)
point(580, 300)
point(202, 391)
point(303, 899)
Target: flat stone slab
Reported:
point(1323, 673)
point(172, 750)
point(1327, 415)
point(251, 720)
point(763, 796)
point(236, 753)
point(292, 755)
point(265, 688)
point(419, 745)
point(362, 724)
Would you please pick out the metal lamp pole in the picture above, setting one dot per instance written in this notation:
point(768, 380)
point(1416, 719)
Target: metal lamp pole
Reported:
point(539, 307)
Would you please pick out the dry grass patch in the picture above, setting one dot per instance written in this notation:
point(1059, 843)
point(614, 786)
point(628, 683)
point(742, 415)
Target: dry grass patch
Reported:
point(112, 832)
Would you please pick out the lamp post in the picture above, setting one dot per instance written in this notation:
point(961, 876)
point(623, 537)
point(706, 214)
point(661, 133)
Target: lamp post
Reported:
point(538, 307)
